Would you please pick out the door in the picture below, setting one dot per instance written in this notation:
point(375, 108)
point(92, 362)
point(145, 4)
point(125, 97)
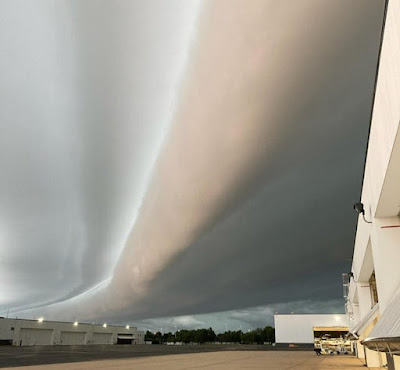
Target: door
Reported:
point(32, 337)
point(102, 338)
point(72, 337)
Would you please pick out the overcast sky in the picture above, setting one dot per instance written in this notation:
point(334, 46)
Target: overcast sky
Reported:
point(179, 159)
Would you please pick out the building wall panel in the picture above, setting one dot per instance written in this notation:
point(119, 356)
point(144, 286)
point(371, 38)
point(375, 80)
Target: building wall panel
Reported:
point(299, 328)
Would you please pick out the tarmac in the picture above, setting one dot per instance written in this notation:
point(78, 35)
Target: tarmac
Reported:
point(167, 357)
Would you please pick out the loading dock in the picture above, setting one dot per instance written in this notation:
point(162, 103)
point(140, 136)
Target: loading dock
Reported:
point(125, 339)
point(332, 340)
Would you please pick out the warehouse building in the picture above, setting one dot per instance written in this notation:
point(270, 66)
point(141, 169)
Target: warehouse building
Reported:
point(373, 285)
point(302, 330)
point(19, 332)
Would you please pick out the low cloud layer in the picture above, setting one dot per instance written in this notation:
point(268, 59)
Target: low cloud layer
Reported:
point(182, 160)
point(244, 319)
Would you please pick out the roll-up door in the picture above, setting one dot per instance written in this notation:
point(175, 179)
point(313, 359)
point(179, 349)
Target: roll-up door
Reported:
point(31, 337)
point(102, 338)
point(72, 337)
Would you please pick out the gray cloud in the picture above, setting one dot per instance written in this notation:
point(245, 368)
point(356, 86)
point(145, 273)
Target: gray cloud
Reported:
point(204, 164)
point(243, 319)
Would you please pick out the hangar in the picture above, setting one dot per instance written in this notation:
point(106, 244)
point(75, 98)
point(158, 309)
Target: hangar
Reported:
point(302, 330)
point(20, 332)
point(372, 287)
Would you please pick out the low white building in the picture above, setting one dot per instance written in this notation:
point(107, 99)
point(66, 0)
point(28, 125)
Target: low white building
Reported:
point(373, 295)
point(300, 329)
point(20, 332)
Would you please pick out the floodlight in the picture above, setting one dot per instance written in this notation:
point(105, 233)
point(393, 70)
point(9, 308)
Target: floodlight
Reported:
point(359, 207)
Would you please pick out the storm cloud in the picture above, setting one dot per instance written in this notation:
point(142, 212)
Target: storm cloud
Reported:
point(242, 319)
point(181, 158)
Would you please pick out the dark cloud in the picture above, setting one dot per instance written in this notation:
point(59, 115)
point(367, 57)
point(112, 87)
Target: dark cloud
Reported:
point(244, 319)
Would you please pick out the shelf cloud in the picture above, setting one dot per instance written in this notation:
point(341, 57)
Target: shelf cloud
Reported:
point(165, 160)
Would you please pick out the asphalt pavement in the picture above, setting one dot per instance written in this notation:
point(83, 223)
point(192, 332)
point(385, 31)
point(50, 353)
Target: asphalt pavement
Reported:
point(226, 358)
point(11, 356)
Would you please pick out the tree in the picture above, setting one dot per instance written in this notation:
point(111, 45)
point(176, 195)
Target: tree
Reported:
point(268, 334)
point(149, 336)
point(211, 335)
point(208, 335)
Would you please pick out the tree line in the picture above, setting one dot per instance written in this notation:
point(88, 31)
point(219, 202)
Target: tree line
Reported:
point(257, 336)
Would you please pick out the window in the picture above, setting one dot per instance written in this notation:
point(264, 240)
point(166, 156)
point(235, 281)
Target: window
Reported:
point(374, 291)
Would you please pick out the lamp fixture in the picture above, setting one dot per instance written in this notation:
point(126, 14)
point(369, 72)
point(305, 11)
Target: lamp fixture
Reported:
point(359, 208)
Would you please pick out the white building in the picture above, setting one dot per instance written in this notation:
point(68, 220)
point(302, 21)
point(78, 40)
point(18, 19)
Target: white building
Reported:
point(299, 329)
point(19, 332)
point(374, 287)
